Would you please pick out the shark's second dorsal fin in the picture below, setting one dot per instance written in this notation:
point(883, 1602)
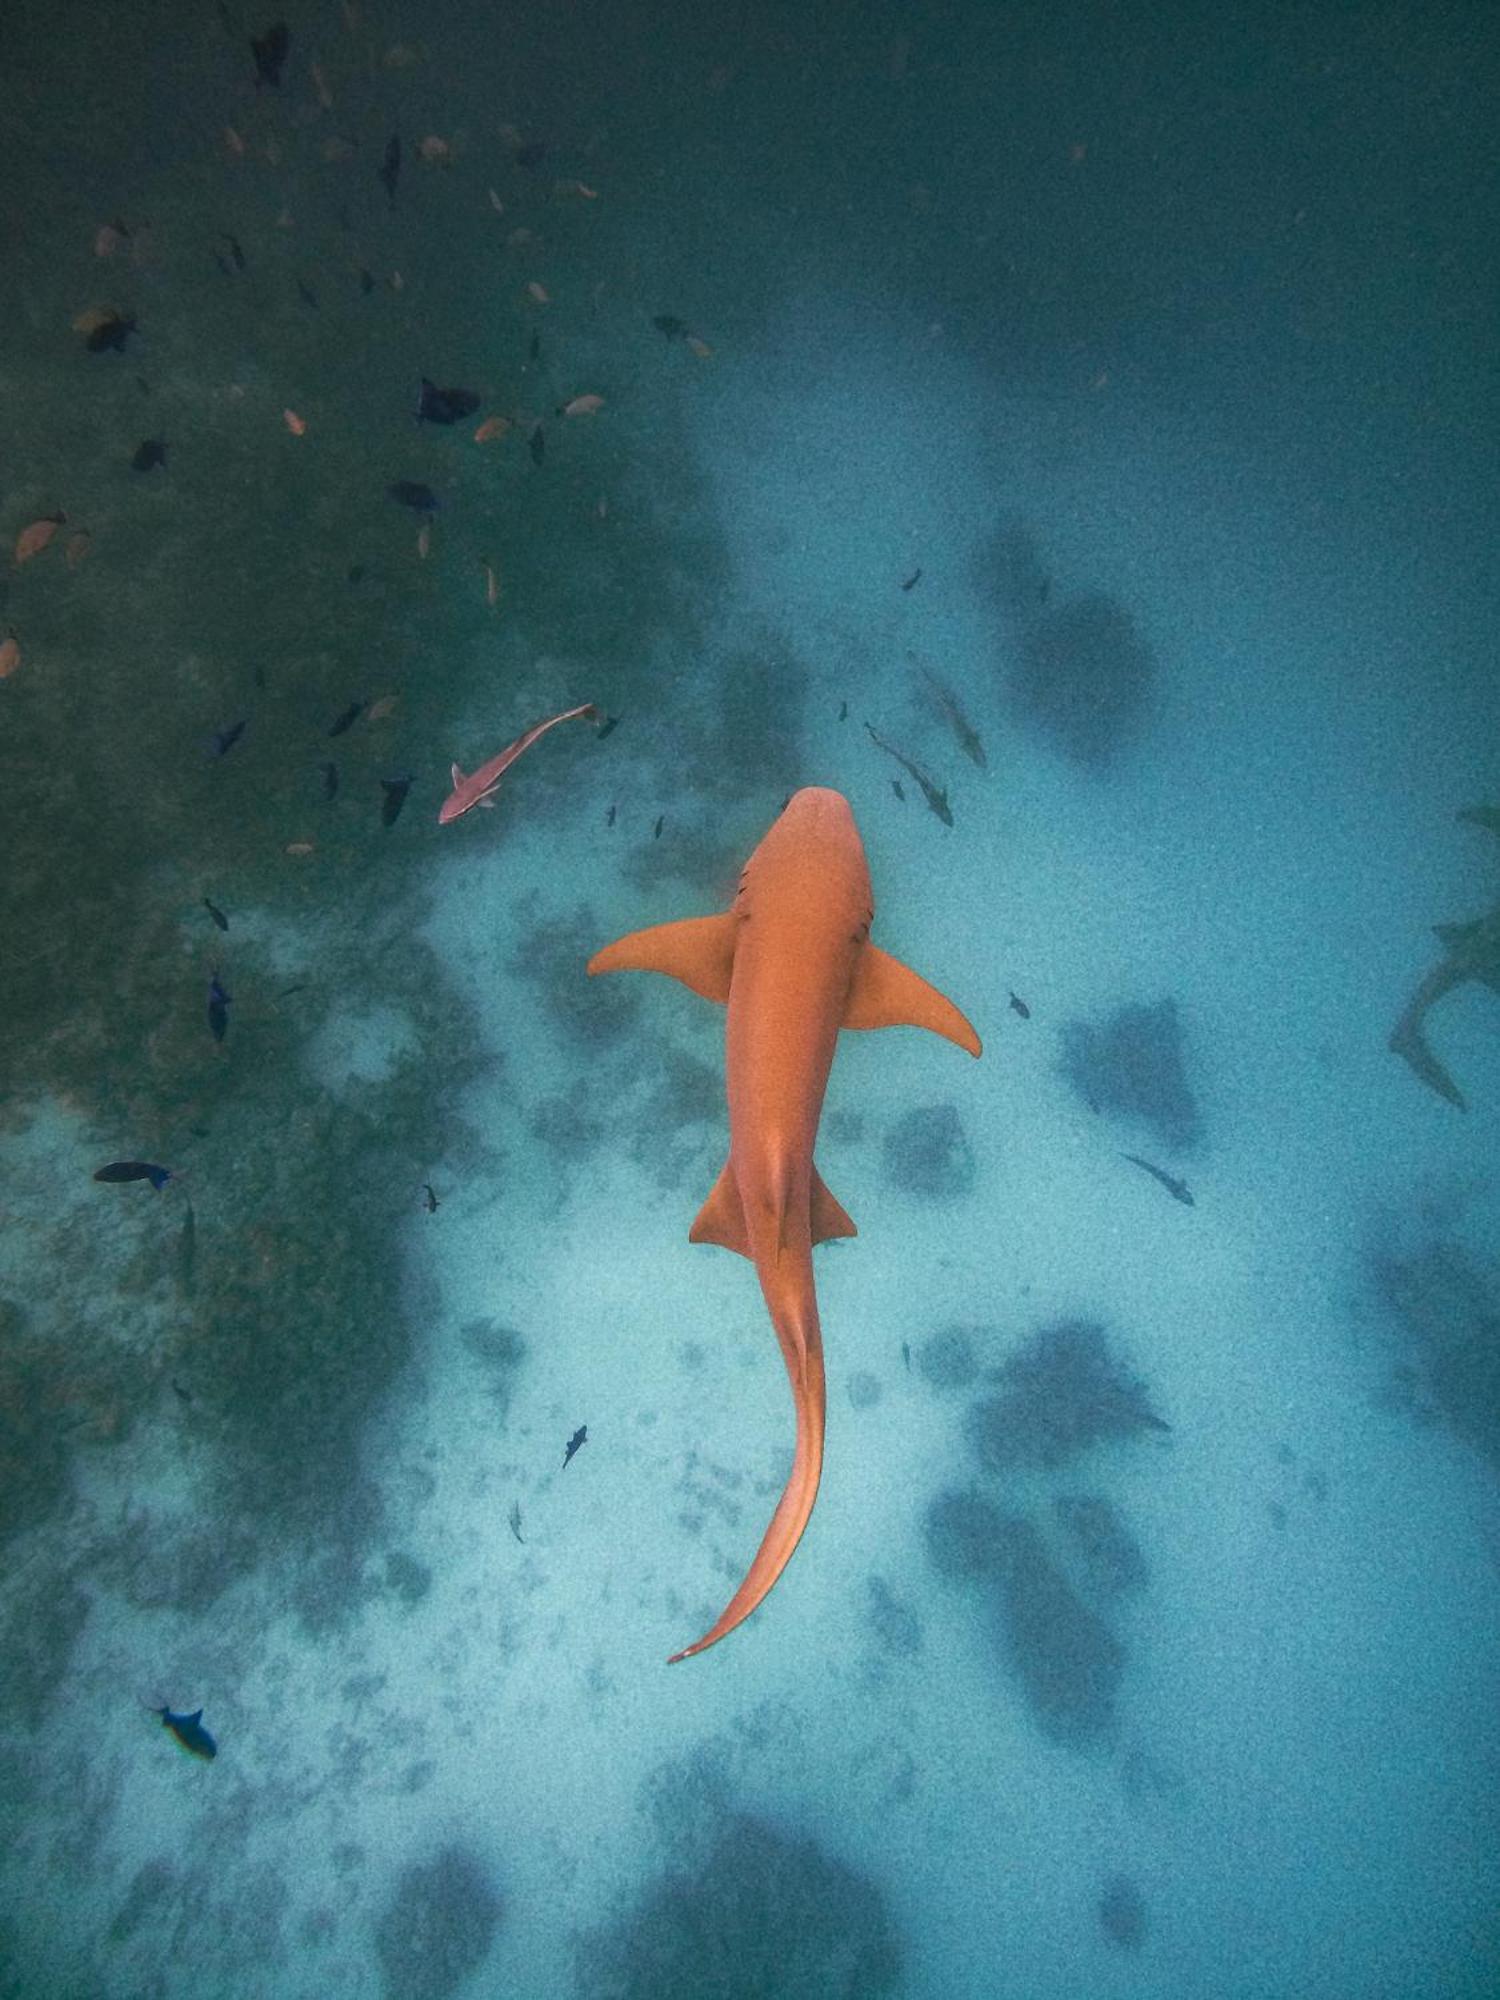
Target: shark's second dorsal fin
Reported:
point(829, 1216)
point(699, 951)
point(888, 994)
point(721, 1219)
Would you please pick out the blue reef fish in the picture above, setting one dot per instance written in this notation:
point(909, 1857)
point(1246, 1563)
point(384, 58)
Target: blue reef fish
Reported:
point(389, 170)
point(218, 1008)
point(347, 718)
point(269, 51)
point(189, 1731)
point(444, 406)
point(217, 914)
point(134, 1170)
point(1018, 1006)
point(412, 493)
point(1177, 1189)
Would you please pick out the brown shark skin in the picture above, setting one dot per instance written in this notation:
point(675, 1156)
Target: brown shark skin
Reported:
point(1473, 953)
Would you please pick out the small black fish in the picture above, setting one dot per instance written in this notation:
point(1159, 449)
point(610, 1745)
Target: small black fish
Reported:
point(225, 739)
point(135, 1170)
point(389, 170)
point(515, 1520)
point(534, 347)
point(906, 1355)
point(536, 444)
point(187, 1397)
point(330, 780)
point(913, 580)
point(432, 1204)
point(150, 452)
point(236, 253)
point(843, 711)
point(366, 281)
point(412, 493)
point(395, 790)
point(187, 1247)
point(444, 406)
point(670, 325)
point(217, 914)
point(579, 1438)
point(189, 1731)
point(1177, 1189)
point(531, 154)
point(110, 333)
point(218, 1009)
point(347, 717)
point(610, 722)
point(656, 830)
point(897, 788)
point(609, 817)
point(269, 51)
point(355, 573)
point(307, 295)
point(1018, 1006)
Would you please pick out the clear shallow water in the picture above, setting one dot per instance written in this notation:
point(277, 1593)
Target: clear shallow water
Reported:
point(1161, 348)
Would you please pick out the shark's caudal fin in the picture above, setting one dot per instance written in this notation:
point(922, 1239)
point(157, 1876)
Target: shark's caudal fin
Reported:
point(888, 994)
point(721, 1219)
point(792, 1513)
point(699, 951)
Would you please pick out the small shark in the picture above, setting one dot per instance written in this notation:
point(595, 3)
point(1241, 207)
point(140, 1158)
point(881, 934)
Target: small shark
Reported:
point(478, 788)
point(189, 1731)
point(1473, 952)
point(792, 962)
point(936, 800)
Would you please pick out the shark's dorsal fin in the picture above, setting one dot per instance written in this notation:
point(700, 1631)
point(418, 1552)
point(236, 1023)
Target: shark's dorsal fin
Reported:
point(721, 1219)
point(698, 950)
point(888, 994)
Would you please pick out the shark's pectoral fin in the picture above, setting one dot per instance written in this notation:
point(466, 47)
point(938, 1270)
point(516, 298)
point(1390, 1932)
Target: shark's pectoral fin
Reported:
point(458, 776)
point(721, 1219)
point(888, 994)
point(829, 1217)
point(1410, 1042)
point(699, 951)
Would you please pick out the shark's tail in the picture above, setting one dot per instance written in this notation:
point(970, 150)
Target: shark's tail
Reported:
point(796, 1504)
point(1409, 1041)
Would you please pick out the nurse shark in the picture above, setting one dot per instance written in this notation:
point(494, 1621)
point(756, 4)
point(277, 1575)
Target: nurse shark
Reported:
point(792, 962)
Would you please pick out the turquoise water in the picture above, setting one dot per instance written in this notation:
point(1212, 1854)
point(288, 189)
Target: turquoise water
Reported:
point(1095, 405)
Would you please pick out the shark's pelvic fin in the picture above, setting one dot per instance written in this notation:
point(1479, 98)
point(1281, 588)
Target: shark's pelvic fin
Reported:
point(721, 1219)
point(698, 950)
point(829, 1218)
point(888, 994)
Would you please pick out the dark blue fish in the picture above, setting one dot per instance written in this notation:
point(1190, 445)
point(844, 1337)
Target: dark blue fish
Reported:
point(235, 252)
point(306, 293)
point(189, 1731)
point(151, 452)
point(536, 444)
point(225, 739)
point(532, 153)
point(1177, 1189)
point(269, 51)
point(579, 1438)
point(330, 781)
point(670, 326)
point(218, 1009)
point(347, 717)
point(110, 333)
point(656, 830)
point(610, 722)
point(217, 914)
point(1018, 1006)
point(913, 580)
point(395, 790)
point(389, 169)
point(431, 1203)
point(444, 406)
point(366, 281)
point(135, 1170)
point(412, 493)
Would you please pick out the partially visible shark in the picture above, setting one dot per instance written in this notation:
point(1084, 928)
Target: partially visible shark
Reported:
point(1473, 953)
point(792, 961)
